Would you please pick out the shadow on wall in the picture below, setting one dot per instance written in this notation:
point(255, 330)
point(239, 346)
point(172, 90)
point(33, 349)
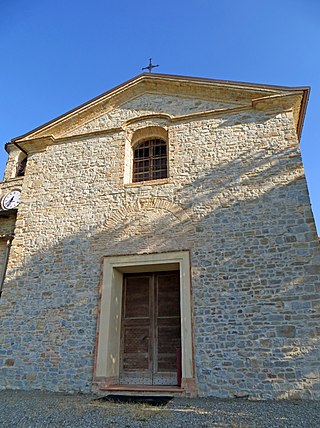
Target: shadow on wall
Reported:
point(254, 249)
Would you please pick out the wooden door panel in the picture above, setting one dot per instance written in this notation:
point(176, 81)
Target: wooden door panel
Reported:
point(136, 340)
point(168, 295)
point(150, 330)
point(136, 343)
point(167, 363)
point(137, 299)
point(168, 330)
point(168, 339)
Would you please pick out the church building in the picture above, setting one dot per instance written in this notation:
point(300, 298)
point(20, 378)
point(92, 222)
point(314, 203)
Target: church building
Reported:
point(159, 239)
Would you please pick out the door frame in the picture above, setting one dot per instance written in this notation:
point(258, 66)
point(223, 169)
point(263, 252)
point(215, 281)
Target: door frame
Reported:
point(107, 356)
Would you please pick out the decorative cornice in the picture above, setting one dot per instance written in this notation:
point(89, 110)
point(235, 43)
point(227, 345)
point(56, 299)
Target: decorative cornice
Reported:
point(245, 94)
point(37, 144)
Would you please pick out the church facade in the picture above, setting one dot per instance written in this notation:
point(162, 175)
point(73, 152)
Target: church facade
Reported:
point(160, 238)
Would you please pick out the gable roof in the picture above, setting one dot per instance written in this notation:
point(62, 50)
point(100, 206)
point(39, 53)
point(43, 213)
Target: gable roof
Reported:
point(241, 92)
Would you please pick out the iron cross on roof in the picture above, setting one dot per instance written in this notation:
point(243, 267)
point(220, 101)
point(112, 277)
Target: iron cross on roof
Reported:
point(150, 66)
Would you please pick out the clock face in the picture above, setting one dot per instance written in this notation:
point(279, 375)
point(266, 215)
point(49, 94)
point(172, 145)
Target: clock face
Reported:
point(11, 200)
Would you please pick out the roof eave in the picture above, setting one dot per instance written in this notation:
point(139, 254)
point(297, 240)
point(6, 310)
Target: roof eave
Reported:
point(134, 80)
point(303, 108)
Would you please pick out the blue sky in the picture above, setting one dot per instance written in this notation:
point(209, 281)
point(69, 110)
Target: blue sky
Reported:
point(58, 54)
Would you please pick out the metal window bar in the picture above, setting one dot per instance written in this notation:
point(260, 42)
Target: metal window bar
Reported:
point(150, 160)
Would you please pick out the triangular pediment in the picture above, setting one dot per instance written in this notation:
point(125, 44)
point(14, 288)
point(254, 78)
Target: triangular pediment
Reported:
point(149, 104)
point(173, 97)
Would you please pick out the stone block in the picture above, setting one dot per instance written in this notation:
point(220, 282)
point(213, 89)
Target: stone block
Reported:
point(286, 331)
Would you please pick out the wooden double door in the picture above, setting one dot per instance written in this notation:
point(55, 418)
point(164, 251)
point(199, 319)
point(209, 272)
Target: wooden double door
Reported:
point(150, 329)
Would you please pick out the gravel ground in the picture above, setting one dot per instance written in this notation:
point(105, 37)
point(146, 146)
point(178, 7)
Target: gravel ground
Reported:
point(39, 409)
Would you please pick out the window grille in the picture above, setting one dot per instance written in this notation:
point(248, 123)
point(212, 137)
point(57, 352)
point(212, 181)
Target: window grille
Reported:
point(150, 160)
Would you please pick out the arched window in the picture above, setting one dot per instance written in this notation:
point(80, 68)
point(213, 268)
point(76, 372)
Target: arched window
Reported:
point(21, 165)
point(150, 160)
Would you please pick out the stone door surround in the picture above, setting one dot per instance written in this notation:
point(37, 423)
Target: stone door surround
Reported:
point(106, 368)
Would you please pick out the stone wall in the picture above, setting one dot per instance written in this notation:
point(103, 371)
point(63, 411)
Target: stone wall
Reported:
point(236, 197)
point(7, 225)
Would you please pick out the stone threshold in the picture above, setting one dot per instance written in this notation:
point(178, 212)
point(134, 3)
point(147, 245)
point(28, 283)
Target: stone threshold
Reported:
point(142, 389)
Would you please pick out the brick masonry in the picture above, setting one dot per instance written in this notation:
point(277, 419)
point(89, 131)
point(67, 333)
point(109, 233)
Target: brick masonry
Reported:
point(236, 196)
